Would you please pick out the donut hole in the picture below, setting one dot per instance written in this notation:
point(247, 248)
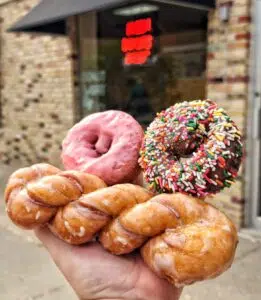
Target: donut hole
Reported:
point(103, 144)
point(185, 148)
point(92, 139)
point(99, 144)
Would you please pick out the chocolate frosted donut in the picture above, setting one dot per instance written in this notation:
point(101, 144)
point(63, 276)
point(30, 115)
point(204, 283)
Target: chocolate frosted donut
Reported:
point(191, 147)
point(105, 144)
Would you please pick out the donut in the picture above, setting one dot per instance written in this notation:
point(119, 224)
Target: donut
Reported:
point(105, 144)
point(191, 147)
point(181, 238)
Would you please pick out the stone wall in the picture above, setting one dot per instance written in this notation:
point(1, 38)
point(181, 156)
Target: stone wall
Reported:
point(36, 91)
point(227, 69)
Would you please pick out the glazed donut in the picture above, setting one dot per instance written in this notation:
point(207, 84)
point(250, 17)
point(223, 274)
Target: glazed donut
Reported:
point(191, 147)
point(33, 194)
point(105, 144)
point(183, 239)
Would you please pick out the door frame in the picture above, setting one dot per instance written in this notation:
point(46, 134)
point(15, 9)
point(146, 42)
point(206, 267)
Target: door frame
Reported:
point(253, 126)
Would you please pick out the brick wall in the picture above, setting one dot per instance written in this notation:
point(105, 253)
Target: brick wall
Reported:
point(227, 69)
point(36, 91)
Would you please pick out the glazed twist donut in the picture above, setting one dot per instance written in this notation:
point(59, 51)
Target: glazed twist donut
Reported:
point(186, 239)
point(34, 194)
point(183, 239)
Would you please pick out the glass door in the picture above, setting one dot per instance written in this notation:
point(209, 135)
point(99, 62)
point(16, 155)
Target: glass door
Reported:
point(144, 62)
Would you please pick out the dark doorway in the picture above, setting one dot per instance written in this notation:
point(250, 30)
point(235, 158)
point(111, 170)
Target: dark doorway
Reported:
point(142, 63)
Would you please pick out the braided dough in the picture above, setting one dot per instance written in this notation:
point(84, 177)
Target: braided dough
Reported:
point(183, 239)
point(34, 194)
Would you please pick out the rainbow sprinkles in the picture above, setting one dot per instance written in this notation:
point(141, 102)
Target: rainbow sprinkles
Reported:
point(191, 147)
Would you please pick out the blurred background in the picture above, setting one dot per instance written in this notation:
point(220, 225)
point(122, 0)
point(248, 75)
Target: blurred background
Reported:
point(61, 60)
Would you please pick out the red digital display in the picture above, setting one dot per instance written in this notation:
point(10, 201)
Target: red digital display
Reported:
point(138, 27)
point(138, 42)
point(136, 58)
point(143, 42)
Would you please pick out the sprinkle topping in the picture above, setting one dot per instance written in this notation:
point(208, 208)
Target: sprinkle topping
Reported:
point(191, 147)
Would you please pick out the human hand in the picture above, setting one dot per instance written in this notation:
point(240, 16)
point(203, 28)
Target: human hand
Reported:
point(94, 273)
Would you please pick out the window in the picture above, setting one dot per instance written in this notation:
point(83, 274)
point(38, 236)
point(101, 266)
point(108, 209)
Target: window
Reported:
point(142, 63)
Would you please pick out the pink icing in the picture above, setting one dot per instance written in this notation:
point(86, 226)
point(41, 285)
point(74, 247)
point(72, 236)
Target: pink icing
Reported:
point(105, 144)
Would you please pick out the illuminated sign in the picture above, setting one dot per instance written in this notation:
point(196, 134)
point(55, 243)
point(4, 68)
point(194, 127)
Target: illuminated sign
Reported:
point(136, 58)
point(138, 43)
point(138, 27)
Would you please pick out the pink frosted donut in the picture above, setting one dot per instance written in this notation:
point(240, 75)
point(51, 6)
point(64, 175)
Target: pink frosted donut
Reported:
point(105, 144)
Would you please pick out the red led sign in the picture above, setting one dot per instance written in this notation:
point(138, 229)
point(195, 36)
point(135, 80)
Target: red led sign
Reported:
point(138, 42)
point(138, 27)
point(136, 58)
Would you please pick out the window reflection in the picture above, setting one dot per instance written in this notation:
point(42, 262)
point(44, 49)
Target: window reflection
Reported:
point(173, 72)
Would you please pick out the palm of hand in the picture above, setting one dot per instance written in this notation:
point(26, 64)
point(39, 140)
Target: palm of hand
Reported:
point(96, 274)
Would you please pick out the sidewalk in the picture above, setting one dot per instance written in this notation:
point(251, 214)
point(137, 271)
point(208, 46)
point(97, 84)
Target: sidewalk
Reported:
point(27, 273)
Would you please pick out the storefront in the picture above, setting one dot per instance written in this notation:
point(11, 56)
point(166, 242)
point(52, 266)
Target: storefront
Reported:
point(142, 57)
point(142, 63)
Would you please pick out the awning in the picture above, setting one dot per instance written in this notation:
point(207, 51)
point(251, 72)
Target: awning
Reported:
point(49, 16)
